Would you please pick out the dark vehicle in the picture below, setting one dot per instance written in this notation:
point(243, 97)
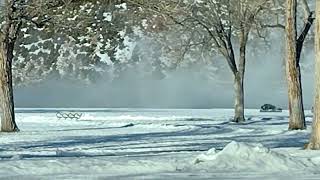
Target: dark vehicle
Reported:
point(270, 108)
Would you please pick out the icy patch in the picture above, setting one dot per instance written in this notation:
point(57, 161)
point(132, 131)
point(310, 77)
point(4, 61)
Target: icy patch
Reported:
point(238, 156)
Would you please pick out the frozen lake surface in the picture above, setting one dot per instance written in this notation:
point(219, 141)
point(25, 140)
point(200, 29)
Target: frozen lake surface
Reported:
point(156, 144)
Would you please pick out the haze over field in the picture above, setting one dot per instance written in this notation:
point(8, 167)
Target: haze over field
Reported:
point(190, 88)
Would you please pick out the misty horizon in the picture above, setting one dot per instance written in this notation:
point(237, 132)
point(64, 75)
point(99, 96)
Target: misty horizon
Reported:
point(186, 88)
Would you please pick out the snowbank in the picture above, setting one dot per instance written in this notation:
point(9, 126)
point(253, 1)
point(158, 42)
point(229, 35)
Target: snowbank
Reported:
point(238, 156)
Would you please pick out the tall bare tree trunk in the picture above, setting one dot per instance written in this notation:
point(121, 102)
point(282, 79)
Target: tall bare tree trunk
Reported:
point(7, 104)
point(296, 111)
point(239, 98)
point(7, 41)
point(314, 142)
point(239, 78)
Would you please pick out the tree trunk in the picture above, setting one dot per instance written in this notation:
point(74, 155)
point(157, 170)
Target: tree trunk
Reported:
point(8, 123)
point(296, 111)
point(239, 99)
point(239, 76)
point(314, 142)
point(8, 38)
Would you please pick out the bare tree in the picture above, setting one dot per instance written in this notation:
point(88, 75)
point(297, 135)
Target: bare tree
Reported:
point(224, 23)
point(294, 46)
point(314, 142)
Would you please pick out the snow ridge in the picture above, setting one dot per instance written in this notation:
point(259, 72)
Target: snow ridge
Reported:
point(239, 156)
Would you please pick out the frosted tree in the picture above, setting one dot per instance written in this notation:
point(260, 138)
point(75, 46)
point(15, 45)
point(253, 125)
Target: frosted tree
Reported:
point(16, 12)
point(84, 41)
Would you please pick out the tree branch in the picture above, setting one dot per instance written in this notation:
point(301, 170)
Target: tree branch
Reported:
point(304, 33)
point(280, 26)
point(306, 8)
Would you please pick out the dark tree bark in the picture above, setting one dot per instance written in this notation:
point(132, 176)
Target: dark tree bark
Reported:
point(7, 41)
point(307, 25)
point(8, 123)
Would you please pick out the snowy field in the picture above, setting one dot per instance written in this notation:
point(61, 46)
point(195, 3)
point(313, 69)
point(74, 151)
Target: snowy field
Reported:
point(156, 144)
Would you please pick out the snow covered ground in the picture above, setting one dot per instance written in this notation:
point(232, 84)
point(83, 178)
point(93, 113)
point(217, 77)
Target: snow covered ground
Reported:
point(156, 144)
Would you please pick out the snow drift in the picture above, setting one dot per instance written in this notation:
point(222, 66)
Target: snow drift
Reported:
point(238, 156)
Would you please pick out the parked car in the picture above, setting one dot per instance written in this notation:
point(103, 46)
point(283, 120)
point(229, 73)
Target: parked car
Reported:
point(270, 108)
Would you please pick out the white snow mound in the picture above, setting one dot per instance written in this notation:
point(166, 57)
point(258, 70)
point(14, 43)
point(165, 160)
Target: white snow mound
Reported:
point(251, 157)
